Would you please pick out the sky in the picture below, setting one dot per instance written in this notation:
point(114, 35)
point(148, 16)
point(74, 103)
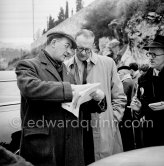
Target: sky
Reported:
point(16, 17)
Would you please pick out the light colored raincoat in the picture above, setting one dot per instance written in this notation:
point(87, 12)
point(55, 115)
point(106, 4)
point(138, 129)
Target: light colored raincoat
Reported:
point(107, 138)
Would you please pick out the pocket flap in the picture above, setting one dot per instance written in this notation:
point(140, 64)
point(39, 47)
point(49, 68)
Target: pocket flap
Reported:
point(36, 131)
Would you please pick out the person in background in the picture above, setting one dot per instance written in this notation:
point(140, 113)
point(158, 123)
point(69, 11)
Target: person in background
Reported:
point(126, 128)
point(109, 53)
point(102, 69)
point(134, 71)
point(151, 90)
point(143, 68)
point(48, 135)
point(128, 83)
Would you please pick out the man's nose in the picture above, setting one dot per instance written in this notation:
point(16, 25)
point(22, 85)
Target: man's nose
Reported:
point(83, 52)
point(70, 52)
point(151, 57)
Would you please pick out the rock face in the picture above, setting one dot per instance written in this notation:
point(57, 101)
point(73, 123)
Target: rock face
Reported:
point(135, 24)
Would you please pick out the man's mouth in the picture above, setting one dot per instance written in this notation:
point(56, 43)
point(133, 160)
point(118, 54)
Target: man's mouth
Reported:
point(152, 62)
point(82, 56)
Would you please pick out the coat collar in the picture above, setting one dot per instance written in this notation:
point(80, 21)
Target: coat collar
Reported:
point(48, 66)
point(150, 73)
point(93, 59)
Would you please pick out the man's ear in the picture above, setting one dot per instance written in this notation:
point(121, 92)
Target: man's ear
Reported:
point(53, 43)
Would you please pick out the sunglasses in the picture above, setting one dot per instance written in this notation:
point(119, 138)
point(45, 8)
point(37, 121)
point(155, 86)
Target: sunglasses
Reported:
point(153, 55)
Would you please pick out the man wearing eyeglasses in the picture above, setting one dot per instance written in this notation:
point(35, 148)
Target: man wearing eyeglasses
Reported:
point(103, 138)
point(150, 95)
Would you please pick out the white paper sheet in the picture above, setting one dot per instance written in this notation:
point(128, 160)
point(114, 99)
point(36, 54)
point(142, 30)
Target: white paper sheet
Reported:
point(81, 95)
point(157, 106)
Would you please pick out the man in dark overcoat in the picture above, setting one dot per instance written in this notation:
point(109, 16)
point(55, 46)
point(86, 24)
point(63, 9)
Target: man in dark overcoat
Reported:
point(150, 95)
point(50, 135)
point(126, 128)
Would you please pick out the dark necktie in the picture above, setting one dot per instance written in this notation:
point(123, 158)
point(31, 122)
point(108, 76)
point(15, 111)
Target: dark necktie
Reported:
point(85, 72)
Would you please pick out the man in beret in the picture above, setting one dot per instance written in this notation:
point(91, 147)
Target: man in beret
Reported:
point(49, 138)
point(134, 71)
point(151, 90)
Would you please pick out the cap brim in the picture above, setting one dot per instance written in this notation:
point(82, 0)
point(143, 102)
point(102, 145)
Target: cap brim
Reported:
point(74, 46)
point(153, 45)
point(123, 68)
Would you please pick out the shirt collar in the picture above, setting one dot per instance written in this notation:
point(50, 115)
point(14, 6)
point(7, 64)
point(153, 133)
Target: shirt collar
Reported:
point(155, 72)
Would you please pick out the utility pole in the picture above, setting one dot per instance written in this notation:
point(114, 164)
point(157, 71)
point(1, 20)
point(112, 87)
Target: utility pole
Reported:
point(47, 23)
point(33, 18)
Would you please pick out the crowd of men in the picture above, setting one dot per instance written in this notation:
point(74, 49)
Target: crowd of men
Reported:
point(142, 122)
point(116, 117)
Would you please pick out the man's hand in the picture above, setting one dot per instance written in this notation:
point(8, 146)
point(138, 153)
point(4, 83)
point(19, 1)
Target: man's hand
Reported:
point(135, 104)
point(75, 96)
point(97, 95)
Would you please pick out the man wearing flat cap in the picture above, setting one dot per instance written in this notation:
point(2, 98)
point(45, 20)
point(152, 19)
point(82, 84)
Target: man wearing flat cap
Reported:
point(150, 95)
point(48, 136)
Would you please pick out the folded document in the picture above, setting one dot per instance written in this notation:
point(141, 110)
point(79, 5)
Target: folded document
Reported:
point(81, 95)
point(157, 106)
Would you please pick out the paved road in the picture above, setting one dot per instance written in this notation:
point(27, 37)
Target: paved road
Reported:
point(9, 114)
point(9, 91)
point(7, 75)
point(9, 122)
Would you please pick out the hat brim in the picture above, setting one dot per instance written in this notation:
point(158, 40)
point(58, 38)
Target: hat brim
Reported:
point(62, 34)
point(123, 68)
point(153, 45)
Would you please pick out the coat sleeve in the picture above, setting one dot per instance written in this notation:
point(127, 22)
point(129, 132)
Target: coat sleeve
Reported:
point(32, 87)
point(118, 96)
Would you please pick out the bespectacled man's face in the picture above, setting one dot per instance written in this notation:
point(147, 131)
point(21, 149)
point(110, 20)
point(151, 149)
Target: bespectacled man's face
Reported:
point(156, 57)
point(84, 46)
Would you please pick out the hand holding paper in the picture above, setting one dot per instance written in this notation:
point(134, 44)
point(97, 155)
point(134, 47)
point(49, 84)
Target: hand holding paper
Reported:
point(135, 104)
point(82, 94)
point(97, 95)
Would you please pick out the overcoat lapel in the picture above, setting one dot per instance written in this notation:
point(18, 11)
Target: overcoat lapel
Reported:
point(49, 67)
